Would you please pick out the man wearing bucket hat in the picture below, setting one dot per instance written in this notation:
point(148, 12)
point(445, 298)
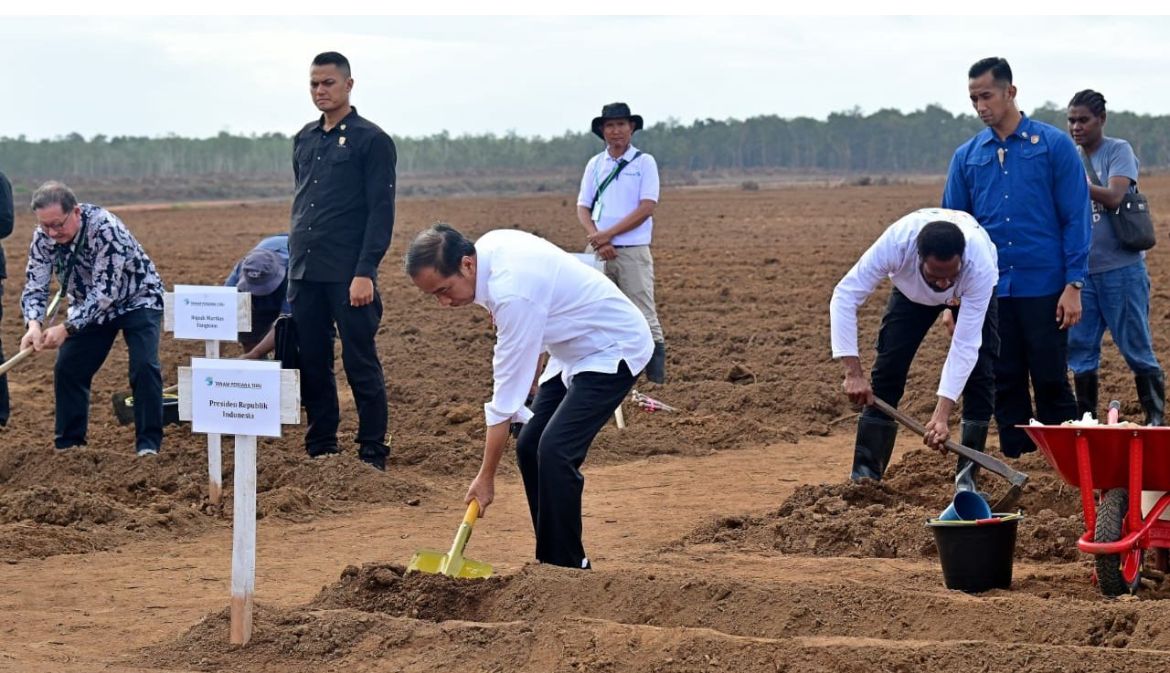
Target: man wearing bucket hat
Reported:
point(619, 193)
point(938, 259)
point(263, 273)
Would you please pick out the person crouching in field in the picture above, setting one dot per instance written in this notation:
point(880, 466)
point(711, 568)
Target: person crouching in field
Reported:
point(540, 299)
point(112, 287)
point(263, 273)
point(938, 260)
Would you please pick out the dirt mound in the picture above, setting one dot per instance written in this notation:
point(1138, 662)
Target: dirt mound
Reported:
point(91, 498)
point(886, 519)
point(555, 619)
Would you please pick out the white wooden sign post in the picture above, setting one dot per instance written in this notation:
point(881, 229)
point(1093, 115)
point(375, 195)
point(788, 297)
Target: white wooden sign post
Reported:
point(244, 398)
point(210, 314)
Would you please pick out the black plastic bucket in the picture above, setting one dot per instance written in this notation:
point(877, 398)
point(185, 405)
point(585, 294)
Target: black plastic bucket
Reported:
point(976, 555)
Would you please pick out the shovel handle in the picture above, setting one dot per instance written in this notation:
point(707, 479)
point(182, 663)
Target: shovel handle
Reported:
point(50, 312)
point(15, 360)
point(472, 513)
point(991, 463)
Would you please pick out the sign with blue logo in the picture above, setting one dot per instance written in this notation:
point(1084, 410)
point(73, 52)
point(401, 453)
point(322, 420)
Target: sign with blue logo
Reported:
point(206, 313)
point(235, 397)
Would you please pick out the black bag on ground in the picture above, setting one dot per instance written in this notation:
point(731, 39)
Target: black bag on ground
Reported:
point(1131, 221)
point(287, 349)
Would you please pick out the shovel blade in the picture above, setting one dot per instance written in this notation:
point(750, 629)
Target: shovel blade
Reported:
point(427, 561)
point(472, 570)
point(438, 563)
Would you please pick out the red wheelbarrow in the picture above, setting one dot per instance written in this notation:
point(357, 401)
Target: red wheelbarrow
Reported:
point(1112, 465)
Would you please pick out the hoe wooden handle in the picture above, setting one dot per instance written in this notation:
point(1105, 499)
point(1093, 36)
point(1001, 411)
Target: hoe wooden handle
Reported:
point(988, 462)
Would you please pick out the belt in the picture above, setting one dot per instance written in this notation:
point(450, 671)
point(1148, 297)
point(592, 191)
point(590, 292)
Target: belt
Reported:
point(632, 246)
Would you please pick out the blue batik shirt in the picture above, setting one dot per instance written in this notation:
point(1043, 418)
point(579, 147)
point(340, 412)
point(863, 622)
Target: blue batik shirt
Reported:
point(112, 277)
point(1030, 193)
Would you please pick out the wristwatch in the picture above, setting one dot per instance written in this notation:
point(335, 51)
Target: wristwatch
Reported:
point(1078, 284)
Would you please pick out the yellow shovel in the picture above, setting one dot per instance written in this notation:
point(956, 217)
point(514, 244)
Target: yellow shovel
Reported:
point(453, 564)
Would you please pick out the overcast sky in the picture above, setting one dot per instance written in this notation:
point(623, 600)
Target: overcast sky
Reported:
point(542, 76)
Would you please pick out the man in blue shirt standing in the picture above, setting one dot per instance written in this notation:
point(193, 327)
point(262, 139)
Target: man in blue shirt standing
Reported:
point(1023, 181)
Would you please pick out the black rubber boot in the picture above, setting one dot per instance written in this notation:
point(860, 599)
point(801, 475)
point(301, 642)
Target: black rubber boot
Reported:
point(973, 435)
point(656, 368)
point(1151, 389)
point(1085, 385)
point(871, 451)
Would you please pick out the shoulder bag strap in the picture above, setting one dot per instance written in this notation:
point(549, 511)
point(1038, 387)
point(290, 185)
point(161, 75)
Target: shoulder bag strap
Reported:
point(1092, 172)
point(613, 176)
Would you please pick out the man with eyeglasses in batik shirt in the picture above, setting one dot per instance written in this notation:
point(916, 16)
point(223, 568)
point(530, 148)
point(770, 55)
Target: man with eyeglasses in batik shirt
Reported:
point(938, 260)
point(112, 286)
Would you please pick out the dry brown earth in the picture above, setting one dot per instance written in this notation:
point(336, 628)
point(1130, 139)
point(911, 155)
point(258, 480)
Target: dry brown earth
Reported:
point(724, 536)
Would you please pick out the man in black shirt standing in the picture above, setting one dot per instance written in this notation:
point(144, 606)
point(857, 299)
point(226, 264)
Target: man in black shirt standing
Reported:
point(342, 220)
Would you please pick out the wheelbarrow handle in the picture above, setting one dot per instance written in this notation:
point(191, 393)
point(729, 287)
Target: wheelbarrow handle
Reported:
point(991, 463)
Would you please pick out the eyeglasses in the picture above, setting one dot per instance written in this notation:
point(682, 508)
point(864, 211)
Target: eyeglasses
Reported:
point(56, 226)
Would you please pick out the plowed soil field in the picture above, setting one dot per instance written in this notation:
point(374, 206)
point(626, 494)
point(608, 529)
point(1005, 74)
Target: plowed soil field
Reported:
point(725, 537)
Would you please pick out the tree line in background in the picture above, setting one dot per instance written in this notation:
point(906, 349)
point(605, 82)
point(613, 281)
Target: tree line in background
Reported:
point(886, 141)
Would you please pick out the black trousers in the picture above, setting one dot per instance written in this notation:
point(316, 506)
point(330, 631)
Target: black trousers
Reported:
point(5, 406)
point(82, 355)
point(1035, 348)
point(316, 308)
point(550, 450)
point(904, 326)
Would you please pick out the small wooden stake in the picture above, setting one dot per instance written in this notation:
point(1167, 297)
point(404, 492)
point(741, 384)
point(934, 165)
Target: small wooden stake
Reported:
point(244, 539)
point(619, 418)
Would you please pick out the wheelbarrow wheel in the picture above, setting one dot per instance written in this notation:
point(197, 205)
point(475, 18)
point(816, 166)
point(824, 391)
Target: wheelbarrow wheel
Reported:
point(1110, 527)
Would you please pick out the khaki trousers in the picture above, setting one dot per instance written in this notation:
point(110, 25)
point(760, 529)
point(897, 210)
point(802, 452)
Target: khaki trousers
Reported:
point(633, 272)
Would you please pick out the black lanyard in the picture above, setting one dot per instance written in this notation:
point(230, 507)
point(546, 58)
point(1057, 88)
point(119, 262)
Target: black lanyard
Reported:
point(65, 271)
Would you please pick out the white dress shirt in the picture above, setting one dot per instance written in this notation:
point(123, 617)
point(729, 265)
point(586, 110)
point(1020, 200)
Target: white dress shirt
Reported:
point(542, 299)
point(895, 256)
point(636, 183)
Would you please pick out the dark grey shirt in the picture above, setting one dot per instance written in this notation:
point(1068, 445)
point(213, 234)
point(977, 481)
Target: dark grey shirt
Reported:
point(1113, 157)
point(343, 209)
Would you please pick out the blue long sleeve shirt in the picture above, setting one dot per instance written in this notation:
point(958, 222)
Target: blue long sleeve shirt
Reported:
point(1030, 193)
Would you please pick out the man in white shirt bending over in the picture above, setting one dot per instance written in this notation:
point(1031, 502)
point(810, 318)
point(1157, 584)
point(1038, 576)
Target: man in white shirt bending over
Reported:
point(540, 299)
point(937, 259)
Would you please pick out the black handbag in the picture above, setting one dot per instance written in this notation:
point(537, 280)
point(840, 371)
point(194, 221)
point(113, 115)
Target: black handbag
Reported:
point(1131, 221)
point(287, 350)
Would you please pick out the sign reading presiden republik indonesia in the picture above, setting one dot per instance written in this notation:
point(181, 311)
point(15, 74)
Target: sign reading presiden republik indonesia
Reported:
point(235, 397)
point(207, 313)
